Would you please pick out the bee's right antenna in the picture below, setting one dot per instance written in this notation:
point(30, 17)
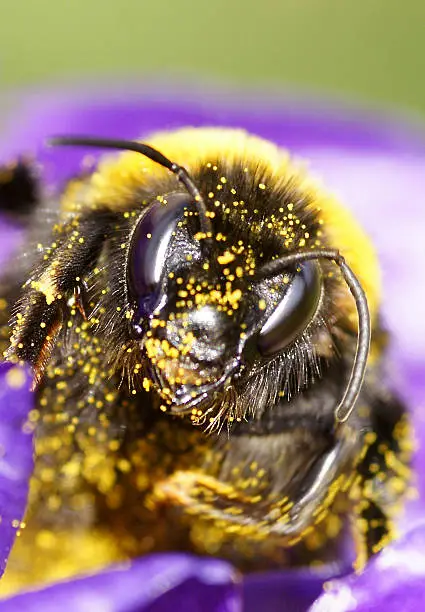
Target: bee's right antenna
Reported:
point(276, 266)
point(148, 151)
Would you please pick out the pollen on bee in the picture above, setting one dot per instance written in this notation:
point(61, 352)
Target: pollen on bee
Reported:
point(226, 258)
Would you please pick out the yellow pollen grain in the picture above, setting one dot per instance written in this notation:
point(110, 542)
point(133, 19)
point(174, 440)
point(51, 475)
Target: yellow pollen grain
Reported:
point(262, 304)
point(15, 378)
point(226, 258)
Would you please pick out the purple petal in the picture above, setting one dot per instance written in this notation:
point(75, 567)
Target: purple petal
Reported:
point(155, 583)
point(393, 581)
point(16, 453)
point(284, 591)
point(11, 238)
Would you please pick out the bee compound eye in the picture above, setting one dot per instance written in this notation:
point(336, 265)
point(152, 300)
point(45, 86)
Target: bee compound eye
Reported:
point(294, 312)
point(148, 250)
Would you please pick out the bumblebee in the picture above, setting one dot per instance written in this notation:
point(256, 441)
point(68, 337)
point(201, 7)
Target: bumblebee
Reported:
point(203, 325)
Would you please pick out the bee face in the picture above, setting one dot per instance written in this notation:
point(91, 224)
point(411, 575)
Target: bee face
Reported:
point(203, 320)
point(222, 297)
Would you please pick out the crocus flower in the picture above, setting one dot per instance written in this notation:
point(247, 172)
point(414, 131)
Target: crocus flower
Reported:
point(376, 166)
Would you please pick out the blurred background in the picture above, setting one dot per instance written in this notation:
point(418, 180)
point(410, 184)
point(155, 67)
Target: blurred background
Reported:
point(367, 50)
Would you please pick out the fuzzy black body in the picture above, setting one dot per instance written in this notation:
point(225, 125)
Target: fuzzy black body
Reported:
point(255, 471)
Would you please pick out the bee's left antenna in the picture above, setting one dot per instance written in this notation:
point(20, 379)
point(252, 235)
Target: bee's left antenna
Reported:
point(148, 151)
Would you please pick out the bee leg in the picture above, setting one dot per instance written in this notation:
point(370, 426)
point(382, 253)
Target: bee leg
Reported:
point(374, 529)
point(42, 306)
point(385, 474)
point(19, 187)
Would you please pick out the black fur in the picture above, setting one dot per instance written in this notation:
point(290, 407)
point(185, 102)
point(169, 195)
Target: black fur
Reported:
point(19, 188)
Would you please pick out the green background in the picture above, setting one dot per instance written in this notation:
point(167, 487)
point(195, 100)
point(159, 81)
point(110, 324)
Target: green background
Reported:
point(371, 50)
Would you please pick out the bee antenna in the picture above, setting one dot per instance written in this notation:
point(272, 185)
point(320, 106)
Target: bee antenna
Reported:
point(354, 385)
point(148, 151)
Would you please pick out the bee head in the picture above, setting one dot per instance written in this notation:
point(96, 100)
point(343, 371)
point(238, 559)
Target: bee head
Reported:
point(205, 322)
point(208, 314)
